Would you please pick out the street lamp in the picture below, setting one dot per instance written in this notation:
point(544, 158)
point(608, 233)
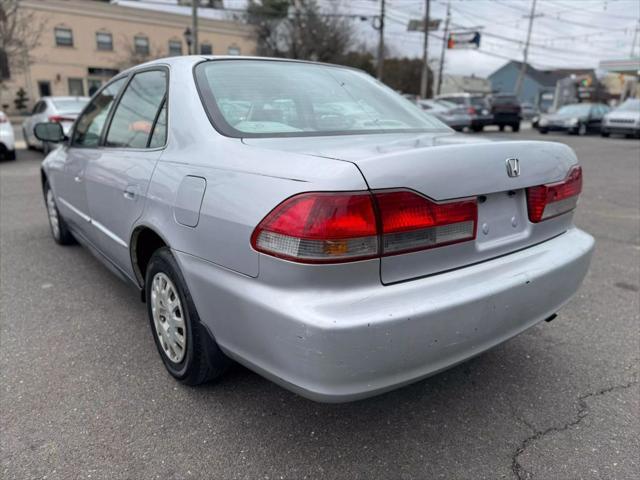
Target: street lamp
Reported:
point(188, 37)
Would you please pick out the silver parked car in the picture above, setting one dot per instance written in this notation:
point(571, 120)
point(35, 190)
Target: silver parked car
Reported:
point(62, 110)
point(308, 222)
point(623, 120)
point(449, 113)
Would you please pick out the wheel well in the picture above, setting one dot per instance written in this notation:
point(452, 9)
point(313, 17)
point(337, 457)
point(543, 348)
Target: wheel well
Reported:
point(144, 242)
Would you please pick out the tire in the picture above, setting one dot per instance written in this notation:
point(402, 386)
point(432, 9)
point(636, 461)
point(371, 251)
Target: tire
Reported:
point(59, 229)
point(501, 128)
point(26, 140)
point(200, 360)
point(477, 128)
point(543, 131)
point(515, 127)
point(604, 134)
point(582, 130)
point(10, 155)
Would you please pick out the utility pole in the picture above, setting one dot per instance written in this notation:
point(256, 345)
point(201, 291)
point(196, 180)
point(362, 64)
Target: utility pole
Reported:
point(194, 25)
point(445, 40)
point(523, 68)
point(381, 43)
point(424, 79)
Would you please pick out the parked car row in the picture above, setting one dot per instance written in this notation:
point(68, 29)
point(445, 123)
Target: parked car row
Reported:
point(475, 111)
point(584, 118)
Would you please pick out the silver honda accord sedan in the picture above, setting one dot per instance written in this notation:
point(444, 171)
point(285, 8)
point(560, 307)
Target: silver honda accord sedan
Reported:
point(308, 222)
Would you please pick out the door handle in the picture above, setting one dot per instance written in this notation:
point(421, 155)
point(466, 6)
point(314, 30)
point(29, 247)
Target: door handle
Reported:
point(77, 179)
point(130, 192)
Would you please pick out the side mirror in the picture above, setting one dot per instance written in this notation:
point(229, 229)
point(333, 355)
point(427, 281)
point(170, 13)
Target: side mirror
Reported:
point(49, 132)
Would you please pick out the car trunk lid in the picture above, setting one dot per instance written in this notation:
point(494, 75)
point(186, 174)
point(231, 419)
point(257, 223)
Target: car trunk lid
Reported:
point(445, 167)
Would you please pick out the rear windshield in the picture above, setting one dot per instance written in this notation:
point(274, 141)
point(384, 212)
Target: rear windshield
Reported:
point(253, 98)
point(70, 105)
point(575, 109)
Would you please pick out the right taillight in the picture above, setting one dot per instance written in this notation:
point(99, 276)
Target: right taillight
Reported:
point(551, 200)
point(320, 227)
point(412, 222)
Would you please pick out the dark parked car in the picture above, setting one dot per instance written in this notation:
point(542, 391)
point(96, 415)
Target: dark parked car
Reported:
point(505, 110)
point(476, 106)
point(577, 119)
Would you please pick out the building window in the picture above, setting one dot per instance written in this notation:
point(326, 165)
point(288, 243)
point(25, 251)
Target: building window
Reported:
point(64, 37)
point(44, 88)
point(233, 51)
point(76, 87)
point(206, 49)
point(141, 45)
point(104, 41)
point(94, 85)
point(175, 48)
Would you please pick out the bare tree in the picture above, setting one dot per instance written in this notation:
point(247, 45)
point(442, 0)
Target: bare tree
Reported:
point(299, 30)
point(20, 32)
point(133, 56)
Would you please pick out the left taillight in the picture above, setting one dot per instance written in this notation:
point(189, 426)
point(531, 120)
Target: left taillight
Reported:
point(551, 200)
point(340, 227)
point(59, 118)
point(320, 228)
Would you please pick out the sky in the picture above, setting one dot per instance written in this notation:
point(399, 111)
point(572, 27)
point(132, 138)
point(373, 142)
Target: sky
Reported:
point(566, 33)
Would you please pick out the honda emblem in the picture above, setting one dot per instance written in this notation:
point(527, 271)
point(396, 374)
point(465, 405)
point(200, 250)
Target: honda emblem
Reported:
point(513, 167)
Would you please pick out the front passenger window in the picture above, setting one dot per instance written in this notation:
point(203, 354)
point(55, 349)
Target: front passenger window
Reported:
point(90, 124)
point(134, 117)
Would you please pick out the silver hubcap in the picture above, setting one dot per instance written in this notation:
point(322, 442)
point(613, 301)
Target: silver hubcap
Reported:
point(168, 318)
point(54, 221)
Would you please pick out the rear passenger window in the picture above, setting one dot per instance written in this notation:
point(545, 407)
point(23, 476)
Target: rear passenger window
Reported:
point(133, 120)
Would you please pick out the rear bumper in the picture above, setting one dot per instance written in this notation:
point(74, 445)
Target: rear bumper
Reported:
point(349, 344)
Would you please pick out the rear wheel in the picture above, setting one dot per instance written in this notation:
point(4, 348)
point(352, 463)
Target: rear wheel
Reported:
point(59, 230)
point(604, 133)
point(543, 131)
point(501, 127)
point(187, 349)
point(515, 127)
point(477, 128)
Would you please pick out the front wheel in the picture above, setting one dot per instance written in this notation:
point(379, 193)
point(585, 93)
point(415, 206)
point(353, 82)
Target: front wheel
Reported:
point(501, 127)
point(59, 230)
point(477, 128)
point(188, 351)
point(543, 131)
point(604, 134)
point(515, 127)
point(582, 129)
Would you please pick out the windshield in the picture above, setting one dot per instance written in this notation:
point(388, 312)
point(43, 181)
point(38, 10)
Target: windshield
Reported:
point(70, 105)
point(630, 105)
point(253, 98)
point(575, 110)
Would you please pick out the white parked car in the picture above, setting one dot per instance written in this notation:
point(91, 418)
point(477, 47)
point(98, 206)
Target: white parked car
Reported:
point(62, 110)
point(7, 142)
point(624, 120)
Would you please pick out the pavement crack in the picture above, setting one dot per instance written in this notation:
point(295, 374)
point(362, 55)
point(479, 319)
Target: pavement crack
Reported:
point(517, 469)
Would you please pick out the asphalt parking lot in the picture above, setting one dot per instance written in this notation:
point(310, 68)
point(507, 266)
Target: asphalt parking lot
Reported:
point(84, 393)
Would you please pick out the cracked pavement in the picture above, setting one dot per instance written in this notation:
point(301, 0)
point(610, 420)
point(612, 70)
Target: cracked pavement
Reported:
point(84, 394)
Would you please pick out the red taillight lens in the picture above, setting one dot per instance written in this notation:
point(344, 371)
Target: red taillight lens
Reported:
point(548, 201)
point(338, 227)
point(412, 222)
point(319, 228)
point(471, 111)
point(59, 118)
